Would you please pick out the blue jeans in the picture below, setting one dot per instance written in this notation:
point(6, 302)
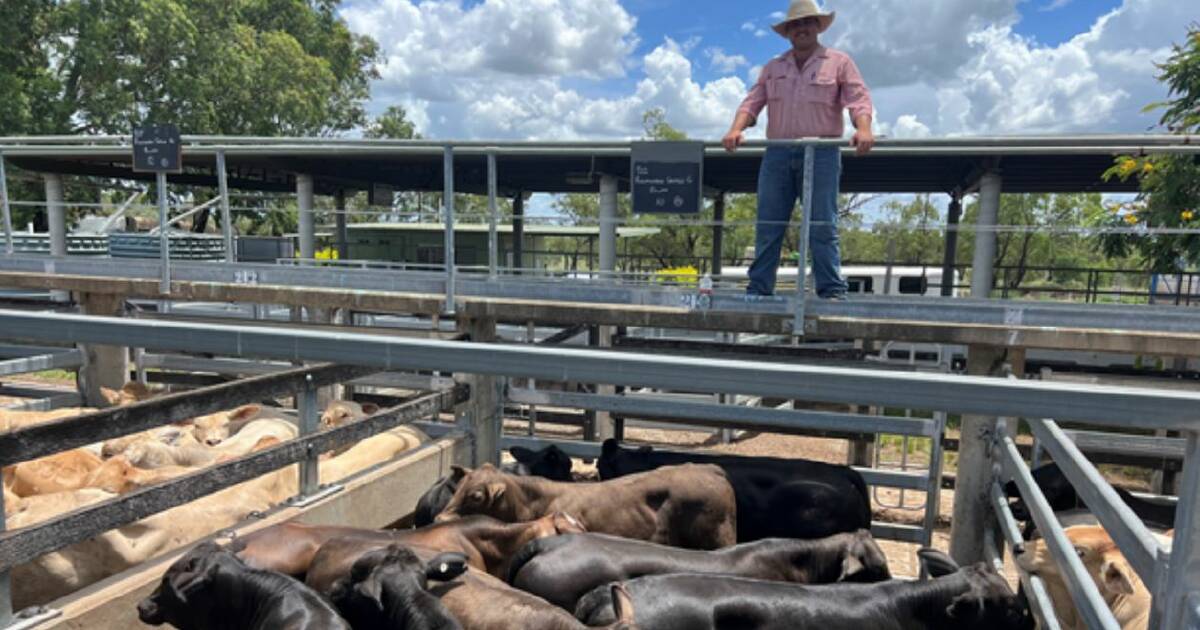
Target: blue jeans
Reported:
point(780, 182)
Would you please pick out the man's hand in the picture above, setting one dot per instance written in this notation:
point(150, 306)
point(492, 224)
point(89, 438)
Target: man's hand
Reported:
point(733, 140)
point(863, 140)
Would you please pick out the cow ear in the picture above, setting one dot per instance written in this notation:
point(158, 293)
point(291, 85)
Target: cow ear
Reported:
point(609, 448)
point(965, 607)
point(370, 408)
point(936, 563)
point(186, 585)
point(371, 590)
point(495, 490)
point(1115, 578)
point(622, 604)
point(521, 454)
point(446, 566)
point(245, 412)
point(850, 566)
point(457, 473)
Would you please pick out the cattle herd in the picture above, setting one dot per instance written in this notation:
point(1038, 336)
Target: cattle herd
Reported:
point(664, 540)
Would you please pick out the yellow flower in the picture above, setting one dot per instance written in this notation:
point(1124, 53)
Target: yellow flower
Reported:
point(1131, 219)
point(1127, 167)
point(1187, 215)
point(1147, 168)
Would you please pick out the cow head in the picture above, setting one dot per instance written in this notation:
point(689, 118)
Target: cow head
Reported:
point(186, 588)
point(216, 428)
point(550, 462)
point(384, 579)
point(616, 462)
point(1104, 562)
point(340, 412)
point(485, 491)
point(983, 600)
point(863, 560)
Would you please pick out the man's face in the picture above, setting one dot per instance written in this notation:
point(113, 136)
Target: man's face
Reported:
point(803, 33)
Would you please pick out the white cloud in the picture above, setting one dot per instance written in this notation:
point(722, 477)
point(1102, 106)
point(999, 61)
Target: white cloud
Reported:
point(567, 69)
point(722, 62)
point(1055, 5)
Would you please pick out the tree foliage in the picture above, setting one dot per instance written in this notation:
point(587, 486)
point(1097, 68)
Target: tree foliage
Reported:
point(1163, 226)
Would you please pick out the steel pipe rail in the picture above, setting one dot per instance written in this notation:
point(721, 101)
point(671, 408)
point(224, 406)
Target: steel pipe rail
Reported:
point(23, 545)
point(69, 360)
point(957, 394)
point(1035, 587)
point(1088, 600)
point(1137, 445)
point(1000, 313)
point(248, 368)
point(1136, 542)
point(724, 416)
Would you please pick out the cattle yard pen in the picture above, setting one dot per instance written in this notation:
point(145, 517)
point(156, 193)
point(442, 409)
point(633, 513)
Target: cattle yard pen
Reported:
point(996, 333)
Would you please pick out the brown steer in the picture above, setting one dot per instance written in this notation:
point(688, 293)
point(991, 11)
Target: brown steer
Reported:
point(290, 548)
point(690, 506)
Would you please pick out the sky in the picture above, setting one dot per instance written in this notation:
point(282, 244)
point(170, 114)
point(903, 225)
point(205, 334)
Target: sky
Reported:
point(589, 69)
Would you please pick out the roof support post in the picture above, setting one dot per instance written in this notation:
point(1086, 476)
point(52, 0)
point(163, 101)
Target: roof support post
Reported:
point(518, 233)
point(343, 240)
point(718, 237)
point(56, 218)
point(982, 271)
point(953, 216)
point(226, 221)
point(4, 206)
point(608, 224)
point(448, 219)
point(493, 239)
point(304, 200)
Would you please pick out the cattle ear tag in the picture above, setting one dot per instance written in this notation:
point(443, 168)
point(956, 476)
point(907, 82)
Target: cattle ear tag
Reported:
point(850, 566)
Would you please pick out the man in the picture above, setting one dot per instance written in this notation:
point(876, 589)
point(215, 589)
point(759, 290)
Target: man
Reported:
point(804, 91)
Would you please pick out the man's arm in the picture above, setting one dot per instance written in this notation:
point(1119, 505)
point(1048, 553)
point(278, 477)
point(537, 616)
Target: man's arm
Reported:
point(747, 113)
point(864, 138)
point(857, 98)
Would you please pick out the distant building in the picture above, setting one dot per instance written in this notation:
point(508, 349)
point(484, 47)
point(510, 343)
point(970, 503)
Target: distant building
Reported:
point(424, 243)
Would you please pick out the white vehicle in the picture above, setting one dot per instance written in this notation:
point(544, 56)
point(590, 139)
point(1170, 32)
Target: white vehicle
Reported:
point(872, 280)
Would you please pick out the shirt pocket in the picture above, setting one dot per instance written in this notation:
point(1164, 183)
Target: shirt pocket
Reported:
point(780, 88)
point(821, 89)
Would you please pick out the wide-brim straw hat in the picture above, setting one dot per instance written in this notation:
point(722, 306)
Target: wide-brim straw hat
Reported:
point(801, 9)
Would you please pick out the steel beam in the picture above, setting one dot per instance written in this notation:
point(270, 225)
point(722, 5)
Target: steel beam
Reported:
point(718, 237)
point(5, 208)
point(304, 201)
point(55, 214)
point(164, 238)
point(450, 287)
point(226, 218)
point(608, 223)
point(1104, 405)
point(806, 199)
point(985, 235)
point(950, 256)
point(518, 233)
point(67, 360)
point(343, 239)
point(493, 239)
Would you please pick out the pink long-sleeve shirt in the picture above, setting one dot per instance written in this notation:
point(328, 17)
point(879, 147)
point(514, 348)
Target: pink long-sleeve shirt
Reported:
point(808, 102)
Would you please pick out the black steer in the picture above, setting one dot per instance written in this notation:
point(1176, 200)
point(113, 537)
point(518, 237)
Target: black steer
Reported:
point(971, 598)
point(210, 589)
point(550, 462)
point(776, 498)
point(1061, 496)
point(562, 569)
point(387, 588)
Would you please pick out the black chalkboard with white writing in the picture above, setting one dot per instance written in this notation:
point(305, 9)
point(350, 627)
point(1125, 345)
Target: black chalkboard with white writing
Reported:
point(666, 177)
point(157, 149)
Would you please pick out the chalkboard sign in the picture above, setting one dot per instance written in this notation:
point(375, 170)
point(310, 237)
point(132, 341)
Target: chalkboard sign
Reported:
point(157, 149)
point(667, 177)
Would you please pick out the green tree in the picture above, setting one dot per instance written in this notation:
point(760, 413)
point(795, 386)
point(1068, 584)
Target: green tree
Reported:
point(1170, 185)
point(251, 67)
point(392, 124)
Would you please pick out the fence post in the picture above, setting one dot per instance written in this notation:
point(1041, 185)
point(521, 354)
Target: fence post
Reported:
point(448, 218)
point(953, 216)
point(304, 201)
point(493, 239)
point(982, 272)
point(718, 242)
point(7, 209)
point(310, 471)
point(164, 238)
point(226, 219)
point(482, 416)
point(608, 225)
point(974, 478)
point(810, 153)
point(103, 365)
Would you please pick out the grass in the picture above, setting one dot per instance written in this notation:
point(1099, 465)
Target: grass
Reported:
point(54, 375)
